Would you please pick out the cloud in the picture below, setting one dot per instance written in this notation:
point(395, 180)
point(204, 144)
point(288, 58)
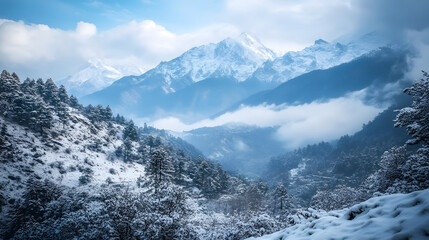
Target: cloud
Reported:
point(294, 24)
point(298, 125)
point(40, 50)
point(37, 50)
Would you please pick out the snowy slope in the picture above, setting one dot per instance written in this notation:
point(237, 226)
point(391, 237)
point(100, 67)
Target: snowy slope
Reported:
point(96, 76)
point(236, 57)
point(321, 55)
point(398, 216)
point(68, 155)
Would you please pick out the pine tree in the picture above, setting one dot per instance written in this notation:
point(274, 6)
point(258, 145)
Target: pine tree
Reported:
point(3, 137)
point(127, 150)
point(281, 200)
point(44, 118)
point(62, 112)
point(40, 87)
point(29, 87)
point(160, 169)
point(416, 117)
point(74, 103)
point(62, 94)
point(50, 93)
point(108, 113)
point(130, 132)
point(179, 167)
point(9, 86)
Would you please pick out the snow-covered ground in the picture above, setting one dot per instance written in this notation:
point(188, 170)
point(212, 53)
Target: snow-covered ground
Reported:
point(66, 157)
point(397, 216)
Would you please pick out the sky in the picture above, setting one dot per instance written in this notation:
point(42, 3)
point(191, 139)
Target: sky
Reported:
point(57, 38)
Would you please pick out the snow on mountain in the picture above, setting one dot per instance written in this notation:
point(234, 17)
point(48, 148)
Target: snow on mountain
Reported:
point(321, 55)
point(235, 57)
point(65, 159)
point(398, 216)
point(96, 76)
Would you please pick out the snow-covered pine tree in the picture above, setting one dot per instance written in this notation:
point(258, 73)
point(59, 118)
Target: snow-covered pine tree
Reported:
point(74, 103)
point(281, 201)
point(63, 95)
point(108, 114)
point(130, 132)
point(50, 93)
point(159, 168)
point(416, 117)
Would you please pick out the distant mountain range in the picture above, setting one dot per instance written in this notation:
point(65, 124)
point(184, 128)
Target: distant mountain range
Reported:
point(246, 148)
point(210, 78)
point(96, 76)
point(373, 70)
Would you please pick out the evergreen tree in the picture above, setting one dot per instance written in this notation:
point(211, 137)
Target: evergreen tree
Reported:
point(50, 93)
point(281, 201)
point(74, 103)
point(108, 114)
point(62, 94)
point(29, 87)
point(160, 169)
point(120, 119)
point(9, 87)
point(416, 117)
point(35, 199)
point(130, 132)
point(179, 167)
point(3, 137)
point(62, 112)
point(40, 87)
point(44, 118)
point(127, 150)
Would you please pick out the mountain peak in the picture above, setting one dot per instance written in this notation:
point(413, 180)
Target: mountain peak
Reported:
point(253, 44)
point(320, 41)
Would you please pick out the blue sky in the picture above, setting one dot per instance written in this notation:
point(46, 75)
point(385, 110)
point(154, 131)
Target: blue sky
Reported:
point(177, 16)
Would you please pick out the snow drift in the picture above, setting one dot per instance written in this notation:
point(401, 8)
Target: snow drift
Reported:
point(398, 216)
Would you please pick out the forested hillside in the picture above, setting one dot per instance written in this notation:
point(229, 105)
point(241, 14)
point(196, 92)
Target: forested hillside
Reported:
point(340, 174)
point(74, 172)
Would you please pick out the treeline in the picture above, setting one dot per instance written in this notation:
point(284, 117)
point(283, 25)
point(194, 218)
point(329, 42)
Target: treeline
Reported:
point(34, 103)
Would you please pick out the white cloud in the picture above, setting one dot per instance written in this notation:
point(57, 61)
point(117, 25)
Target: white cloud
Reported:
point(292, 25)
point(302, 124)
point(36, 50)
point(86, 29)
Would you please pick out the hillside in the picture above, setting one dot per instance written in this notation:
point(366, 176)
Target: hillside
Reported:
point(398, 216)
point(345, 162)
point(69, 171)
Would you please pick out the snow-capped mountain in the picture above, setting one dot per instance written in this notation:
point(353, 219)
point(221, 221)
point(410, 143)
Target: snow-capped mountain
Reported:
point(208, 79)
point(235, 57)
point(321, 55)
point(96, 76)
point(198, 79)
